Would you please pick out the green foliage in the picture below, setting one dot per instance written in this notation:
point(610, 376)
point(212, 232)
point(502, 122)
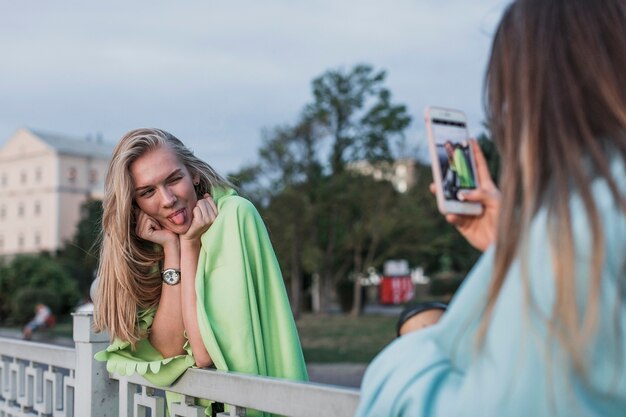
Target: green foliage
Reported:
point(326, 218)
point(355, 110)
point(491, 154)
point(7, 289)
point(57, 281)
point(27, 298)
point(445, 284)
point(41, 275)
point(339, 338)
point(79, 256)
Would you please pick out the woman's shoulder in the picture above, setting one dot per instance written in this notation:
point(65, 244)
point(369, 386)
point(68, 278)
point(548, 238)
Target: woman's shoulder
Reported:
point(236, 204)
point(232, 205)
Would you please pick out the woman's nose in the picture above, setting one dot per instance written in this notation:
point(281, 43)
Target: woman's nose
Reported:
point(168, 198)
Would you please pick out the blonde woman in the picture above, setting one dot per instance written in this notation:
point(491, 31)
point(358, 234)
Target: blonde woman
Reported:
point(187, 274)
point(539, 326)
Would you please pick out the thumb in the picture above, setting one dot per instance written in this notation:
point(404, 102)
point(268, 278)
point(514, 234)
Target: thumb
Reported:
point(477, 195)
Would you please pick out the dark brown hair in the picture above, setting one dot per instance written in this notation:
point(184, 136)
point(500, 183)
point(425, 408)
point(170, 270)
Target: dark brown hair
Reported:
point(555, 96)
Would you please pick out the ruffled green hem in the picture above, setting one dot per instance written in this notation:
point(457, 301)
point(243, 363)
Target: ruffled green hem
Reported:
point(145, 360)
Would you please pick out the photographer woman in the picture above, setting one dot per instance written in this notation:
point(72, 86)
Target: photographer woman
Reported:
point(539, 326)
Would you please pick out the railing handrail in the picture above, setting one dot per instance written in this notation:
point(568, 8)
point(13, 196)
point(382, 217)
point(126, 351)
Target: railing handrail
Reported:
point(59, 356)
point(72, 383)
point(272, 395)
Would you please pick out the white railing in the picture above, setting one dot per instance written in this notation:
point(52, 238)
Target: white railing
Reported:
point(44, 380)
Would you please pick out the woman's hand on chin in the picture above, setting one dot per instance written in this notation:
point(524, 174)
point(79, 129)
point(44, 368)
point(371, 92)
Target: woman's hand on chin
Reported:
point(204, 215)
point(149, 229)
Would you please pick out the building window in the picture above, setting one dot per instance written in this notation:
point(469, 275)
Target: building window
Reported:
point(71, 174)
point(1, 242)
point(23, 177)
point(37, 239)
point(20, 241)
point(37, 208)
point(38, 174)
point(93, 177)
point(4, 180)
point(3, 212)
point(20, 210)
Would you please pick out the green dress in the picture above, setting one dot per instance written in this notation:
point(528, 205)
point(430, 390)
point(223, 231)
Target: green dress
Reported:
point(462, 168)
point(243, 311)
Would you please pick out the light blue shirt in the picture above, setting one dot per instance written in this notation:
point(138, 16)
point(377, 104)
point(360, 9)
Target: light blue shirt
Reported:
point(521, 369)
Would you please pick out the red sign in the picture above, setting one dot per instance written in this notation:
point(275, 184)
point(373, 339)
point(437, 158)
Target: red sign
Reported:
point(396, 290)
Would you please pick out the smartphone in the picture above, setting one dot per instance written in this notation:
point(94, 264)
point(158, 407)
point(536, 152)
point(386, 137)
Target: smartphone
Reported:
point(452, 159)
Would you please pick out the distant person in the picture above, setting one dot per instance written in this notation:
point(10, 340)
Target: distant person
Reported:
point(419, 316)
point(538, 328)
point(43, 319)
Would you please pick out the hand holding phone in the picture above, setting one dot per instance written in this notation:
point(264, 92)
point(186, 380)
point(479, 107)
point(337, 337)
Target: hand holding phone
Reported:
point(452, 160)
point(480, 230)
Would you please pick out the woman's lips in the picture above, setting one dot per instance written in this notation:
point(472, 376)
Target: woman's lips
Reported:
point(179, 217)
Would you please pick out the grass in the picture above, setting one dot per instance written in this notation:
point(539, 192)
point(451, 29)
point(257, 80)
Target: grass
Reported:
point(340, 338)
point(62, 329)
point(325, 338)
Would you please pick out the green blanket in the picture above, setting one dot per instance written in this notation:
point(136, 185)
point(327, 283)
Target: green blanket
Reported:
point(243, 310)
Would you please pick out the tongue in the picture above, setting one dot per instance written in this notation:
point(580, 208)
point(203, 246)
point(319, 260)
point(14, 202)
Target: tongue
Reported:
point(179, 218)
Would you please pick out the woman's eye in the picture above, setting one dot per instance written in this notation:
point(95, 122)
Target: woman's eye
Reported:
point(175, 179)
point(146, 193)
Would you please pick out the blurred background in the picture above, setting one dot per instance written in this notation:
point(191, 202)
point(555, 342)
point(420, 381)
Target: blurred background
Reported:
point(315, 111)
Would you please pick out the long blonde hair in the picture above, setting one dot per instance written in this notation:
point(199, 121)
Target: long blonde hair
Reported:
point(555, 95)
point(129, 278)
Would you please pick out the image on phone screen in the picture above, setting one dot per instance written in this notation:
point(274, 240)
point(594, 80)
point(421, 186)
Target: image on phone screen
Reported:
point(454, 155)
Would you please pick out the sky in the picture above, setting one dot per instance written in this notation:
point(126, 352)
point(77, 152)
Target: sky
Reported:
point(215, 74)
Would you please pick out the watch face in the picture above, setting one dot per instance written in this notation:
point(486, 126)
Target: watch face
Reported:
point(171, 276)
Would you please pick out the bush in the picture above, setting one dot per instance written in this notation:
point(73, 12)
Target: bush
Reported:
point(41, 274)
point(345, 295)
point(445, 284)
point(26, 299)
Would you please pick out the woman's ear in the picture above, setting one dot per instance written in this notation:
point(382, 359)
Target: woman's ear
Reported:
point(196, 186)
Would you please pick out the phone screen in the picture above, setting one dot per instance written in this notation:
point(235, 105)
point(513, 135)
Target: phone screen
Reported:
point(454, 155)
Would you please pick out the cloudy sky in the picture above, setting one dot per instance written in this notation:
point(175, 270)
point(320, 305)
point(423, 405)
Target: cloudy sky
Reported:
point(216, 73)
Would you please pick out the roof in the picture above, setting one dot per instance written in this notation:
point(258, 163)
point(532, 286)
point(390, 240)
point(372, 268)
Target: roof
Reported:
point(67, 145)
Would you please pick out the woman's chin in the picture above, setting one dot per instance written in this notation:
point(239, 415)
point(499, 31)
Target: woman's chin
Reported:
point(179, 229)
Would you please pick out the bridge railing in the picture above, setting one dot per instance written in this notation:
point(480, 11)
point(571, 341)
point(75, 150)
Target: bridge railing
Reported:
point(45, 380)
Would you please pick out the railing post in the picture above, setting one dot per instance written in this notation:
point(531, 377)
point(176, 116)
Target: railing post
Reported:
point(95, 393)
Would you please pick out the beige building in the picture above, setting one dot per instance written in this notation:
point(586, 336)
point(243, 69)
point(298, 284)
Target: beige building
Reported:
point(44, 179)
point(402, 173)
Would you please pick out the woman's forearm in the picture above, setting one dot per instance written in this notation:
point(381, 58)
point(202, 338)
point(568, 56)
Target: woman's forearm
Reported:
point(167, 332)
point(190, 250)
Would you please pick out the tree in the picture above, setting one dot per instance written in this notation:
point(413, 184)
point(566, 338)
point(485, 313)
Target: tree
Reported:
point(357, 114)
point(289, 218)
point(58, 281)
point(374, 206)
point(80, 255)
point(289, 154)
point(290, 162)
point(7, 289)
point(42, 276)
point(491, 155)
point(325, 218)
